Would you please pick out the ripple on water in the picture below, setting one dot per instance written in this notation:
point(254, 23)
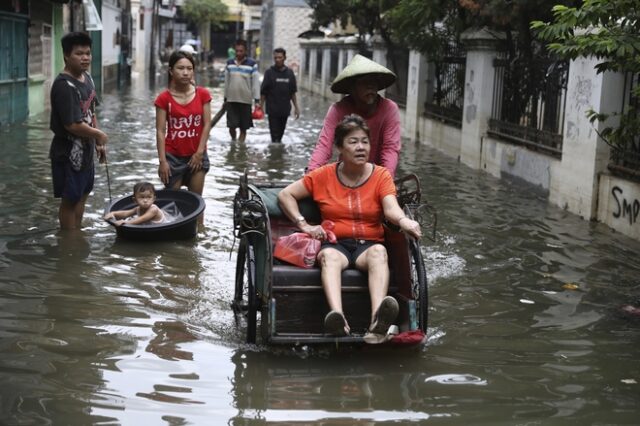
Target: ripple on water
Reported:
point(456, 379)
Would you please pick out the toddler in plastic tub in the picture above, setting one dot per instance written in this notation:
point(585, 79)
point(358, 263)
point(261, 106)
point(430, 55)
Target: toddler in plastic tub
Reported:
point(145, 212)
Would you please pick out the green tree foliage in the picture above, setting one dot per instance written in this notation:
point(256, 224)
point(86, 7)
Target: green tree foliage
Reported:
point(431, 26)
point(206, 11)
point(366, 15)
point(606, 29)
point(428, 27)
point(610, 31)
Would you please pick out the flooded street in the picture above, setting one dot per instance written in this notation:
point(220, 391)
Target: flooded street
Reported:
point(525, 325)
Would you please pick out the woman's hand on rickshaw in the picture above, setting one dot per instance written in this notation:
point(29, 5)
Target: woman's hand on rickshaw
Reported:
point(164, 171)
point(195, 162)
point(314, 231)
point(410, 226)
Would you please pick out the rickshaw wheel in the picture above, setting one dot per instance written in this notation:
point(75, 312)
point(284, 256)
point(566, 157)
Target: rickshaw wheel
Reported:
point(419, 285)
point(244, 300)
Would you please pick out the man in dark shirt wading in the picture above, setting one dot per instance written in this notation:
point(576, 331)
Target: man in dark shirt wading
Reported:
point(76, 136)
point(279, 91)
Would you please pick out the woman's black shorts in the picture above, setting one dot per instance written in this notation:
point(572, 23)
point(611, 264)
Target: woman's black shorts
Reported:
point(350, 247)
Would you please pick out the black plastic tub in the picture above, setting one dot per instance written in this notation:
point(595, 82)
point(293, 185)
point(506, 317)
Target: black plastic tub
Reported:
point(189, 205)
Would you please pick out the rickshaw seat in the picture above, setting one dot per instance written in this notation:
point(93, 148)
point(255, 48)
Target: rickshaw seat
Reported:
point(269, 196)
point(286, 276)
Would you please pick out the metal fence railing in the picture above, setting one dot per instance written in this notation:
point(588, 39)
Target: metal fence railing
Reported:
point(624, 160)
point(398, 62)
point(446, 95)
point(529, 100)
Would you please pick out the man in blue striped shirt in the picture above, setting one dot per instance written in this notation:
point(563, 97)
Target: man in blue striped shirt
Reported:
point(241, 89)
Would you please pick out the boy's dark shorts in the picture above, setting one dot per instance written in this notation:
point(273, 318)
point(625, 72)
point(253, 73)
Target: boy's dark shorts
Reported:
point(69, 184)
point(239, 116)
point(180, 168)
point(350, 247)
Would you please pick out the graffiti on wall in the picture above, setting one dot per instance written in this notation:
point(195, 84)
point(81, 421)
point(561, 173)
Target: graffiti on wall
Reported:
point(626, 209)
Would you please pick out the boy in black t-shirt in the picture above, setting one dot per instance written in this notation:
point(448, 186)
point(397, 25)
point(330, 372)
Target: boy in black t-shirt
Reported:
point(76, 136)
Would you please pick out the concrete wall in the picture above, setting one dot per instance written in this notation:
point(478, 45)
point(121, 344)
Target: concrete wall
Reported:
point(111, 31)
point(584, 155)
point(502, 159)
point(443, 137)
point(619, 205)
point(141, 13)
point(282, 22)
point(41, 48)
point(289, 22)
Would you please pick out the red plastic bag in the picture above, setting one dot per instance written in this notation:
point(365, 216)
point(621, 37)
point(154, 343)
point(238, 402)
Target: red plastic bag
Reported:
point(258, 113)
point(298, 249)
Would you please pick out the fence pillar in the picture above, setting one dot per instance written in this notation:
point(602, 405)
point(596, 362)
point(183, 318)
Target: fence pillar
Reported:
point(351, 45)
point(379, 53)
point(326, 70)
point(416, 94)
point(304, 51)
point(574, 185)
point(482, 48)
point(378, 50)
point(341, 57)
point(312, 66)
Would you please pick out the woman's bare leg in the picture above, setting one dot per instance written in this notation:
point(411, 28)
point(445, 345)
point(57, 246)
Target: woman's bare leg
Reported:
point(332, 263)
point(374, 260)
point(196, 182)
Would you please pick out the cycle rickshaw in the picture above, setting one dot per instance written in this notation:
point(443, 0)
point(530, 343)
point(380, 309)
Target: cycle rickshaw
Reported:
point(289, 300)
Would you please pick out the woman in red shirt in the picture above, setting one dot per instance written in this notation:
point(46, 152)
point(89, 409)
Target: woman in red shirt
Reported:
point(356, 195)
point(183, 115)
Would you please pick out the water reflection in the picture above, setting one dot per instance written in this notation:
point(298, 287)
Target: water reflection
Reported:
point(348, 389)
point(51, 338)
point(100, 330)
point(237, 156)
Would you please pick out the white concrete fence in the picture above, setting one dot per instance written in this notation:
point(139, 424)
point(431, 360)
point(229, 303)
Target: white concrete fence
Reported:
point(577, 181)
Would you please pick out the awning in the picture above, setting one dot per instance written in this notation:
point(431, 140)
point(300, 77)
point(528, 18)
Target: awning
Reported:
point(92, 19)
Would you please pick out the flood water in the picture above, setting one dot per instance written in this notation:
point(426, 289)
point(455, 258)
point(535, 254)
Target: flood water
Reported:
point(95, 330)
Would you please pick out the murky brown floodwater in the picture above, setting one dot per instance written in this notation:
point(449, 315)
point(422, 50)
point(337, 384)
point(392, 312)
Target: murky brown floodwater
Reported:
point(99, 331)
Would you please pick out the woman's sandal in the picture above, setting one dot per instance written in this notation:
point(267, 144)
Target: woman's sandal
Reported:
point(335, 324)
point(385, 316)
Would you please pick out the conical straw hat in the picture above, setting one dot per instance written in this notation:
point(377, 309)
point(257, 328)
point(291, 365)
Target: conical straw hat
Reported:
point(359, 66)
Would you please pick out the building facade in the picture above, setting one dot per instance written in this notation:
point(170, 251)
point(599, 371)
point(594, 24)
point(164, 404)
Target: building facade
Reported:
point(30, 32)
point(282, 22)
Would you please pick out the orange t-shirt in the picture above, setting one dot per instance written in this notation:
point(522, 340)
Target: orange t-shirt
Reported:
point(356, 212)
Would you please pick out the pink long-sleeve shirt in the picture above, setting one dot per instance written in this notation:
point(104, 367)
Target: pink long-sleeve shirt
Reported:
point(384, 133)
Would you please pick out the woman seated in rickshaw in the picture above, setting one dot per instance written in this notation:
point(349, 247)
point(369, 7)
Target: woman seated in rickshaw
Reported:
point(357, 196)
